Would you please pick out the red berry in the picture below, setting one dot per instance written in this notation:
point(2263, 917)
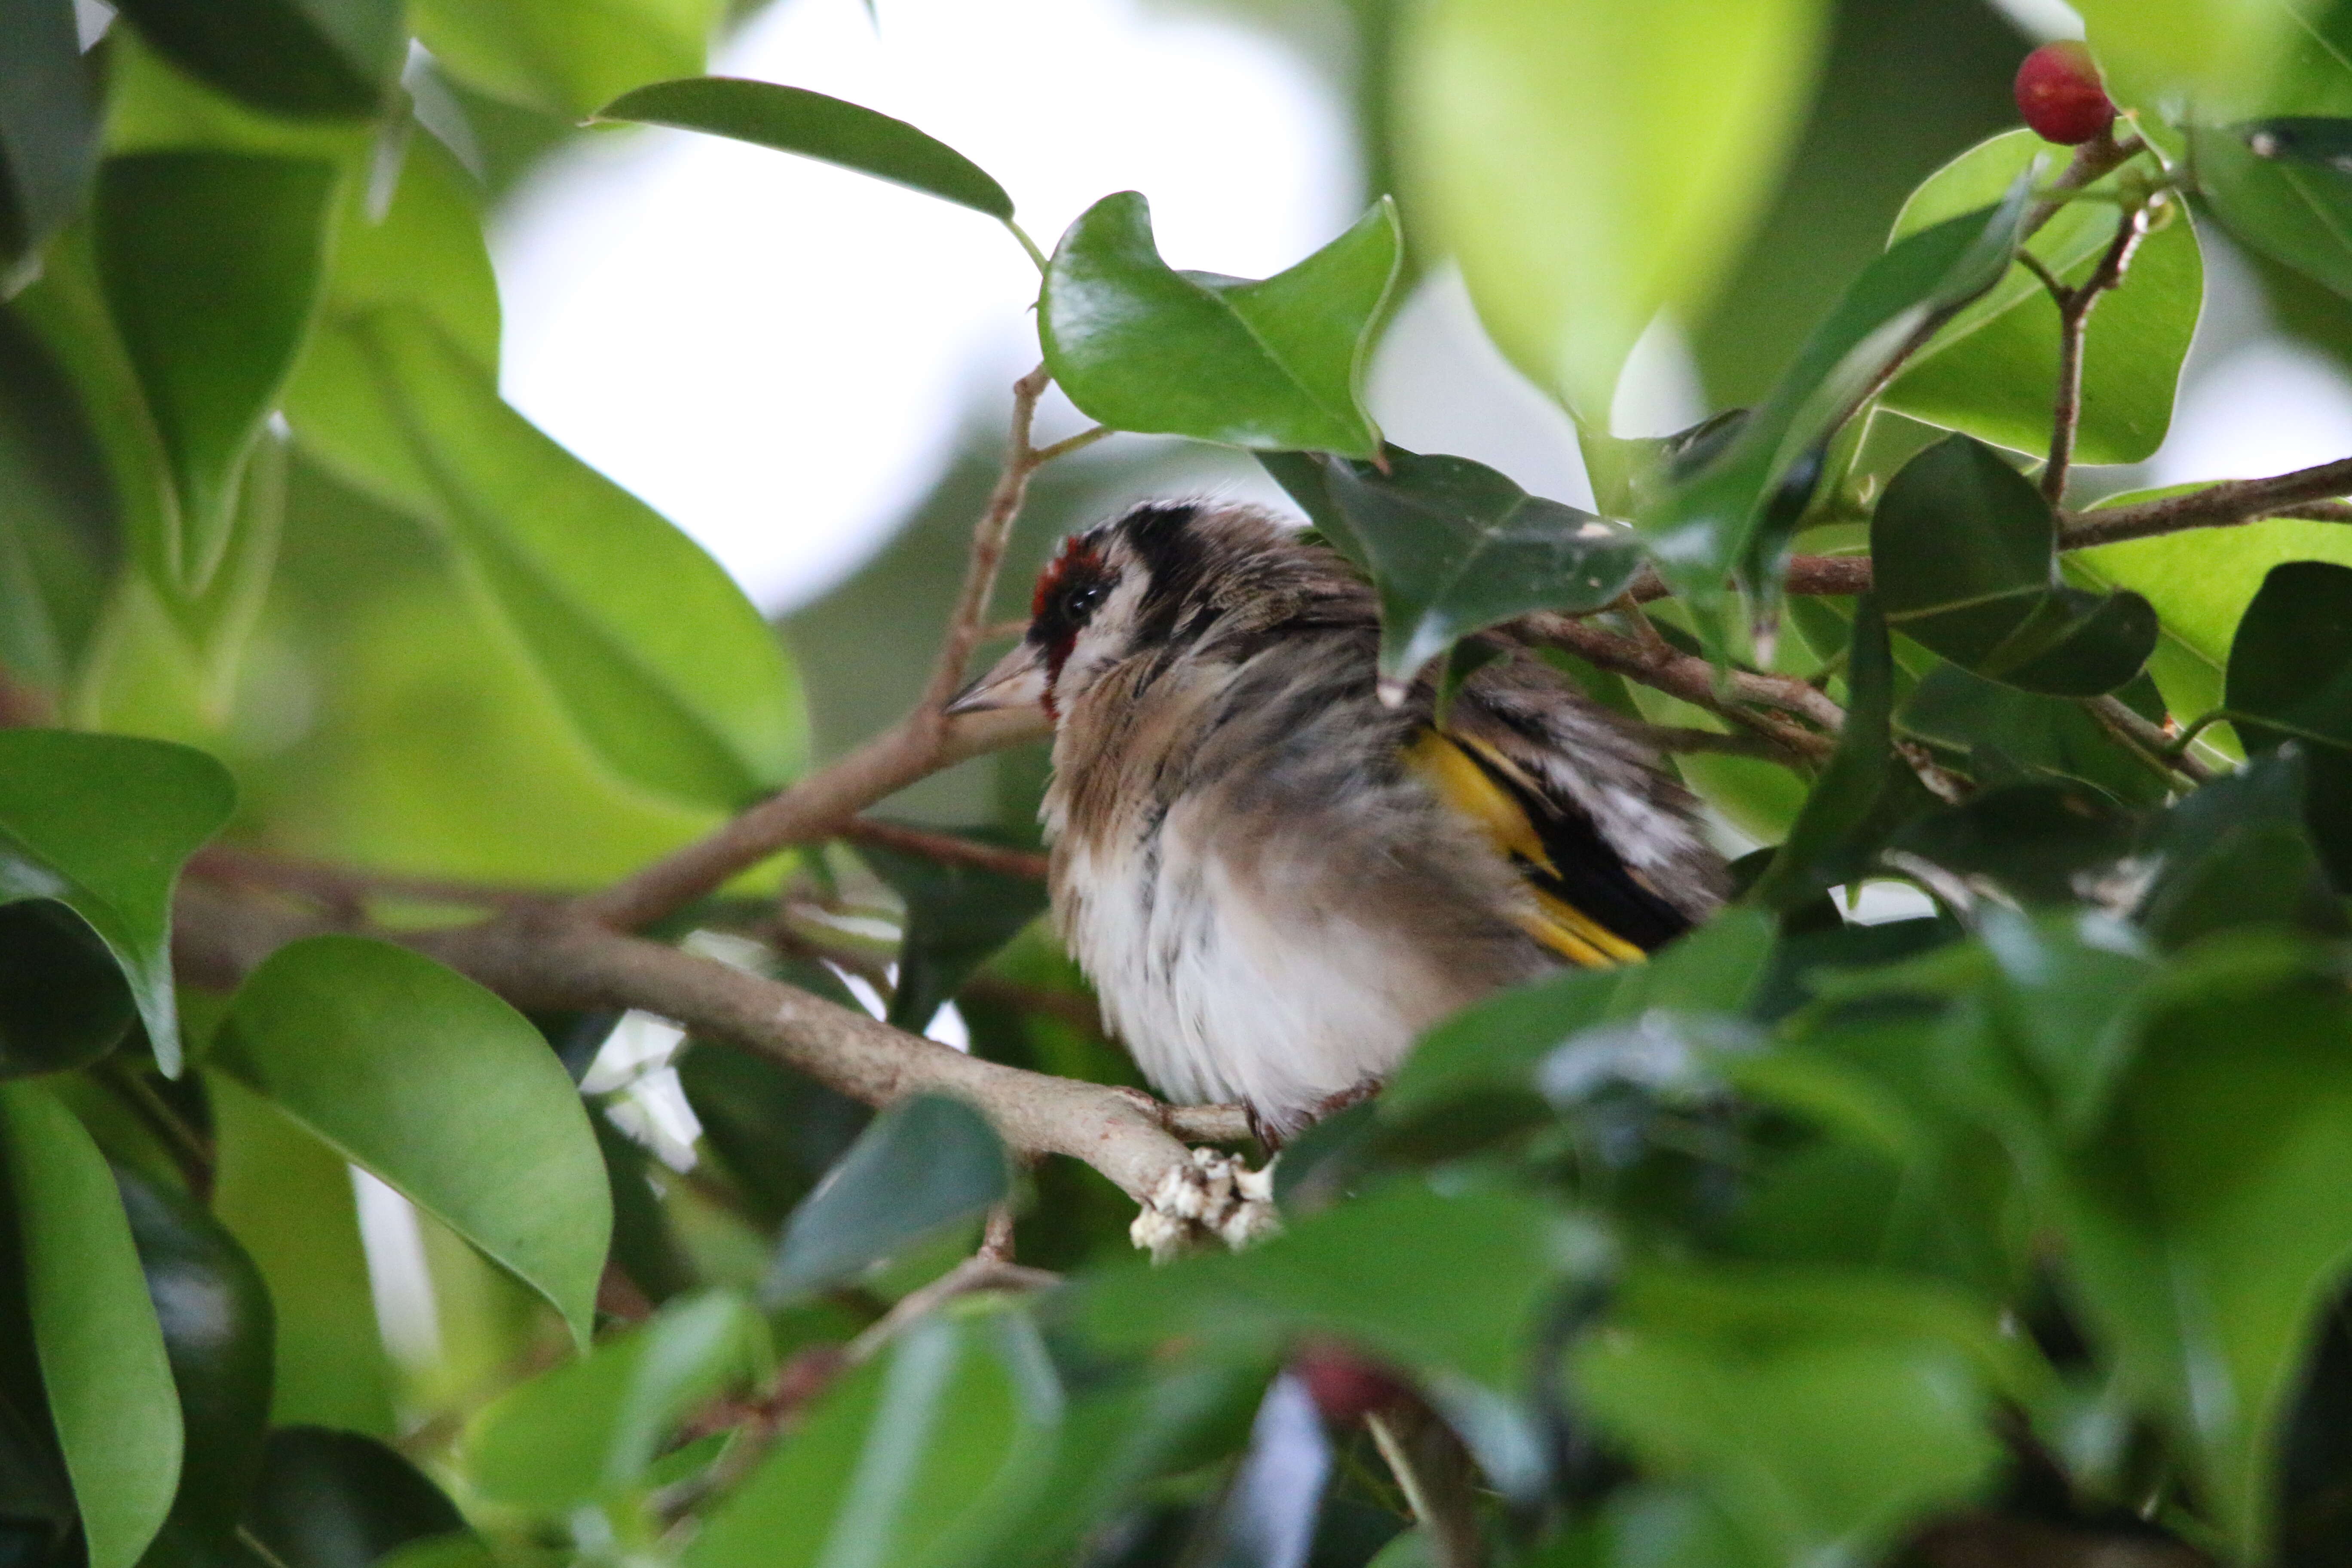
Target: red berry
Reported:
point(2061, 96)
point(1345, 1385)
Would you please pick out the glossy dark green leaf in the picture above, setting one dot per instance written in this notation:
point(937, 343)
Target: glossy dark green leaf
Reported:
point(668, 670)
point(59, 526)
point(1824, 1412)
point(336, 1500)
point(904, 1459)
point(925, 1165)
point(1733, 513)
point(1275, 364)
point(1992, 370)
point(101, 824)
point(1454, 547)
point(2208, 1221)
point(589, 1428)
point(956, 917)
point(1965, 553)
point(560, 56)
point(1864, 793)
point(794, 120)
point(63, 999)
point(2006, 732)
point(2290, 663)
point(287, 1198)
point(48, 124)
point(333, 58)
point(212, 264)
point(101, 1355)
point(214, 1314)
point(441, 1089)
point(2283, 187)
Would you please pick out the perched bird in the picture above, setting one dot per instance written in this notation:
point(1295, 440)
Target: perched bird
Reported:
point(1275, 880)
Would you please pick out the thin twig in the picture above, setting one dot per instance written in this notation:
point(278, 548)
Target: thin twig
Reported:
point(946, 848)
point(2223, 505)
point(978, 1272)
point(2146, 741)
point(1693, 680)
point(2074, 307)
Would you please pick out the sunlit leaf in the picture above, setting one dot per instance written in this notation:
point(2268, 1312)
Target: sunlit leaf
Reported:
point(1992, 370)
point(334, 57)
point(2222, 49)
point(212, 264)
point(2283, 186)
point(1590, 165)
point(101, 824)
point(49, 125)
point(927, 1163)
point(794, 120)
point(1274, 364)
point(563, 57)
point(443, 1091)
point(102, 1355)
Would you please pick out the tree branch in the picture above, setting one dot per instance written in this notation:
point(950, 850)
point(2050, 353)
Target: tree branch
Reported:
point(2074, 307)
point(2223, 505)
point(1693, 680)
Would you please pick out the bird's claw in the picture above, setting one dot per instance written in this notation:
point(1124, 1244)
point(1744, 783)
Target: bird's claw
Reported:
point(1213, 1196)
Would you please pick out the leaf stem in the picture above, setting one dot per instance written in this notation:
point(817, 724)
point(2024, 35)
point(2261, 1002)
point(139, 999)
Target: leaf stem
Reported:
point(1028, 245)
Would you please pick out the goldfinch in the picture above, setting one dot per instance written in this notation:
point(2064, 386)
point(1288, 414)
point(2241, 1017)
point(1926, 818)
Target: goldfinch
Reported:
point(1275, 881)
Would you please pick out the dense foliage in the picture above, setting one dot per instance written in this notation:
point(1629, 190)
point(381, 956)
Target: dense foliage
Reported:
point(345, 710)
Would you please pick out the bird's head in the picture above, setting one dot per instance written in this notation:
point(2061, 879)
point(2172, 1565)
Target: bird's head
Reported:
point(1161, 576)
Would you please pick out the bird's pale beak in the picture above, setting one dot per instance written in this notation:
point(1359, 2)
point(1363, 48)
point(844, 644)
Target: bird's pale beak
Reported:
point(1018, 680)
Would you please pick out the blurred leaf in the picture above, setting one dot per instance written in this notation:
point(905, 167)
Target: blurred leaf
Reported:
point(1735, 512)
point(1966, 556)
point(2280, 187)
point(63, 999)
point(215, 1313)
point(59, 528)
point(2291, 662)
point(1864, 793)
point(1276, 363)
point(2035, 838)
point(1992, 370)
point(334, 57)
point(794, 120)
point(957, 919)
point(1454, 548)
point(1824, 1412)
point(211, 264)
point(2237, 853)
point(903, 1457)
point(443, 1091)
point(1569, 158)
point(775, 1131)
point(583, 1431)
point(645, 1246)
point(336, 1500)
point(101, 1355)
point(49, 126)
point(659, 659)
point(100, 824)
point(927, 1163)
point(287, 1198)
point(563, 57)
point(1270, 1506)
point(2004, 728)
point(2220, 49)
point(2208, 1221)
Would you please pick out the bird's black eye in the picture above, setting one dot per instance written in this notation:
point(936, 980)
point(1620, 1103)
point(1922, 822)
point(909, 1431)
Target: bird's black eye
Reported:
point(1084, 600)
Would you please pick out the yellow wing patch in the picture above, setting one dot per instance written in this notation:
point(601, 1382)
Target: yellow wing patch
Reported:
point(1446, 763)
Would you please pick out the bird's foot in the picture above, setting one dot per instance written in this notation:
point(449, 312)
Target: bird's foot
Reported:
point(1214, 1195)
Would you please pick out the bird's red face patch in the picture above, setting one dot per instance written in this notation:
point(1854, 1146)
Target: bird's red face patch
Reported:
point(1071, 588)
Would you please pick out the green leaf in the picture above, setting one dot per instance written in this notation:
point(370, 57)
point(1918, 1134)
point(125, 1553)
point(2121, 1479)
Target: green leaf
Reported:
point(1454, 548)
point(214, 1314)
point(2220, 49)
point(1735, 512)
point(102, 1354)
point(2034, 838)
point(2279, 186)
point(212, 264)
point(1275, 363)
point(49, 126)
point(336, 1500)
point(331, 58)
point(2241, 852)
point(1824, 1411)
point(2207, 1223)
point(776, 1132)
point(561, 57)
point(59, 526)
point(2007, 732)
point(2290, 663)
point(904, 1459)
point(1591, 166)
point(794, 120)
point(443, 1091)
point(924, 1165)
point(63, 1002)
point(100, 824)
point(589, 1429)
point(664, 666)
point(1965, 558)
point(957, 919)
point(1992, 370)
point(287, 1198)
